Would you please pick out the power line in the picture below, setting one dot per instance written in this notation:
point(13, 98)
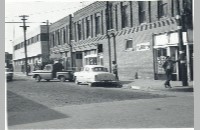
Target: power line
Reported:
point(46, 12)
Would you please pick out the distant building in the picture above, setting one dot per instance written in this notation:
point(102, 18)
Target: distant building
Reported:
point(37, 49)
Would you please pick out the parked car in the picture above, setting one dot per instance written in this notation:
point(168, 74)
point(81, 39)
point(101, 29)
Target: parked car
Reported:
point(9, 74)
point(91, 74)
point(48, 74)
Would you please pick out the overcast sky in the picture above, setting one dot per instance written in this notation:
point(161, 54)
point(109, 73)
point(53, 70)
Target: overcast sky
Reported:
point(38, 11)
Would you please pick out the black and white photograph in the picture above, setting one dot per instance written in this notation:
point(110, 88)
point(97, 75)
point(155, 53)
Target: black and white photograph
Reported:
point(99, 64)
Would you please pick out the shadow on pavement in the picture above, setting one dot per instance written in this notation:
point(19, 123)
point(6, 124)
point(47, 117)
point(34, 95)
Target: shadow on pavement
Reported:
point(21, 110)
point(181, 89)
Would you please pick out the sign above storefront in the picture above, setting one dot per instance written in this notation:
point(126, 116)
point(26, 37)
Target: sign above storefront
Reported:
point(169, 39)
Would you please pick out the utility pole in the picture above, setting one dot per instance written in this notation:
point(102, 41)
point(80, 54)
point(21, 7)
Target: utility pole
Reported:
point(70, 41)
point(48, 55)
point(107, 33)
point(25, 47)
point(181, 49)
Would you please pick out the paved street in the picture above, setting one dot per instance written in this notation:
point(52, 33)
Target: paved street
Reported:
point(67, 105)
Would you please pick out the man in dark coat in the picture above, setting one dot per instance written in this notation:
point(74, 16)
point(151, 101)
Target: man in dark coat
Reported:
point(168, 67)
point(57, 67)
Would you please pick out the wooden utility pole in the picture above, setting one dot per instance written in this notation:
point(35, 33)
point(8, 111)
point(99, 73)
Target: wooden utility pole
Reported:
point(181, 47)
point(107, 33)
point(25, 47)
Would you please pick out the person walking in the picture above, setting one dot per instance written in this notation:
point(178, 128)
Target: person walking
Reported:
point(168, 67)
point(114, 69)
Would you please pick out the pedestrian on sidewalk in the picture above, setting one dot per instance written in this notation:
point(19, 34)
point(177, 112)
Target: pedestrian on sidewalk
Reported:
point(114, 69)
point(168, 67)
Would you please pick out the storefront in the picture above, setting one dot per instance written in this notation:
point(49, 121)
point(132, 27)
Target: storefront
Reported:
point(166, 44)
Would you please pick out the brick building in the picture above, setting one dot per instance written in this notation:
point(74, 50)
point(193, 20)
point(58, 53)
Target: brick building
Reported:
point(37, 49)
point(136, 34)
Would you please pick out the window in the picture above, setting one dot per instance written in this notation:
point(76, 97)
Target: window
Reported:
point(129, 44)
point(44, 37)
point(162, 8)
point(116, 16)
point(142, 17)
point(87, 27)
point(97, 21)
point(79, 32)
point(78, 56)
point(124, 16)
point(58, 38)
point(64, 35)
point(100, 48)
point(53, 40)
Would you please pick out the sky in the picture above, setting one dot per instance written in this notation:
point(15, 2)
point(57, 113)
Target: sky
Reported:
point(38, 11)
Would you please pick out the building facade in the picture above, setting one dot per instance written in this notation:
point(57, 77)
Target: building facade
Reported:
point(37, 49)
point(138, 35)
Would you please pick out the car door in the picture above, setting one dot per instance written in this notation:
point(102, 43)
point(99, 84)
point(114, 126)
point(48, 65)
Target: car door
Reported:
point(47, 72)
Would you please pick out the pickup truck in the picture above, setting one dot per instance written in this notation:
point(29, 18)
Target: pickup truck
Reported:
point(48, 74)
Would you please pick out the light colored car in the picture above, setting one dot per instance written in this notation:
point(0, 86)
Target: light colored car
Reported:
point(9, 74)
point(91, 74)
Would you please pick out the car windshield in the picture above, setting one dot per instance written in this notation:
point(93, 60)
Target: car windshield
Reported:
point(100, 69)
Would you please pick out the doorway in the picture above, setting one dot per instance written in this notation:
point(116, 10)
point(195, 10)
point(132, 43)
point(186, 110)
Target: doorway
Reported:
point(159, 59)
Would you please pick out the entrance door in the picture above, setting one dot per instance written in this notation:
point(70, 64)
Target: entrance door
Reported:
point(160, 57)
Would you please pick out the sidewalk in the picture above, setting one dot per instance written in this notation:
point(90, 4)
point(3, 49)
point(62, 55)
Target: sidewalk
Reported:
point(151, 85)
point(141, 84)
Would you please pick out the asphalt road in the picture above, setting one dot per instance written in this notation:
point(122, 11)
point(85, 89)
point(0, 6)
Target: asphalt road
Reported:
point(29, 102)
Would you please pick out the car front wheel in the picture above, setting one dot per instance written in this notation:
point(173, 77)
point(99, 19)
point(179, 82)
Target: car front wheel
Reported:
point(38, 78)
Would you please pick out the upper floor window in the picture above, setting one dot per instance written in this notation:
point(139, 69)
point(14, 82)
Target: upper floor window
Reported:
point(58, 38)
point(87, 27)
point(124, 16)
point(79, 31)
point(64, 35)
point(142, 12)
point(97, 21)
point(162, 8)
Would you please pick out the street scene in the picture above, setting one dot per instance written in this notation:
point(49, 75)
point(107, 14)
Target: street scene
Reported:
point(99, 64)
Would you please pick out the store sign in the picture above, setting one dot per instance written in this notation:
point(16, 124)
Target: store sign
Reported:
point(174, 39)
point(143, 46)
point(161, 39)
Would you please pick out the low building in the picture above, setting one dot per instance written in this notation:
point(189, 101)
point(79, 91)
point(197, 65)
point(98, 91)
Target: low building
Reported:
point(37, 49)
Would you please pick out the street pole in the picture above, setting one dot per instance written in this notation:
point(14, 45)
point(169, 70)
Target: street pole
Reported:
point(107, 34)
point(48, 46)
point(25, 47)
point(70, 41)
point(181, 49)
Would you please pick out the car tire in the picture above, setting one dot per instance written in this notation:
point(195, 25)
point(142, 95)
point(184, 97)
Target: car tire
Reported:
point(47, 80)
point(62, 79)
point(38, 78)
